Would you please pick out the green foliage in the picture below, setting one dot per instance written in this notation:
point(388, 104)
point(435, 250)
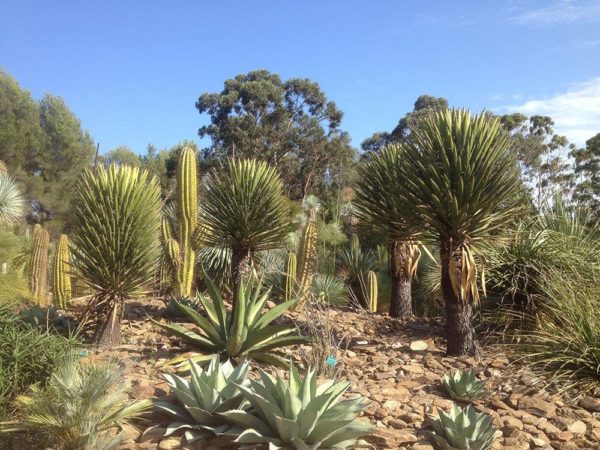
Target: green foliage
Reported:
point(329, 288)
point(77, 407)
point(35, 316)
point(354, 264)
point(116, 242)
point(174, 312)
point(289, 124)
point(201, 399)
point(564, 341)
point(299, 414)
point(462, 429)
point(587, 168)
point(248, 333)
point(122, 156)
point(244, 211)
point(28, 355)
point(12, 204)
point(464, 385)
point(61, 279)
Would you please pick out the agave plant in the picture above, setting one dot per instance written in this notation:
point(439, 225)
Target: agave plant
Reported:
point(207, 393)
point(12, 203)
point(464, 385)
point(462, 429)
point(249, 333)
point(116, 240)
point(174, 312)
point(453, 183)
point(244, 210)
point(299, 414)
point(78, 406)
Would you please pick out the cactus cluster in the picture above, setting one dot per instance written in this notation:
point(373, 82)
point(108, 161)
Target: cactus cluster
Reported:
point(61, 280)
point(38, 264)
point(181, 253)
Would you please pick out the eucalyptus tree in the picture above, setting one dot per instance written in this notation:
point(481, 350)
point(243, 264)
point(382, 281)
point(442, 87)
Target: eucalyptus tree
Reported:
point(453, 183)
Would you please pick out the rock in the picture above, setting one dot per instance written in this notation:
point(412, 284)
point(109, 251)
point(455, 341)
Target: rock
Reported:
point(406, 437)
point(169, 443)
point(538, 442)
point(419, 346)
point(577, 427)
point(591, 404)
point(413, 369)
point(391, 404)
point(142, 389)
point(537, 407)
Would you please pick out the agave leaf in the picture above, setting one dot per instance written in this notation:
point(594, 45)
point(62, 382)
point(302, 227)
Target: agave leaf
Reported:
point(198, 340)
point(245, 421)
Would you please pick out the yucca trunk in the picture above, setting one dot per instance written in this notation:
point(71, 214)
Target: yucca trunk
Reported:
point(460, 333)
point(108, 329)
point(401, 299)
point(240, 271)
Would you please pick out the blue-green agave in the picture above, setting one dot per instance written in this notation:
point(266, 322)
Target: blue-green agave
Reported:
point(462, 429)
point(464, 385)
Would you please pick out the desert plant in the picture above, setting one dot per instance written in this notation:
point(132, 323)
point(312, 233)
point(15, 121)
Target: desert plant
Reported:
point(115, 240)
point(77, 407)
point(173, 311)
point(248, 333)
point(61, 279)
point(330, 289)
point(453, 183)
point(12, 203)
point(181, 252)
point(463, 385)
point(290, 275)
point(462, 429)
point(38, 265)
point(372, 290)
point(201, 399)
point(299, 414)
point(354, 264)
point(244, 211)
point(307, 260)
point(39, 317)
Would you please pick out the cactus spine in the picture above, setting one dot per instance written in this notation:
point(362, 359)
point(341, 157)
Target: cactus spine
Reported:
point(290, 276)
point(181, 252)
point(307, 259)
point(61, 281)
point(372, 285)
point(38, 264)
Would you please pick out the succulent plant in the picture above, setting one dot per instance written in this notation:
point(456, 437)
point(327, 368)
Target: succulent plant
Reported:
point(200, 399)
point(174, 312)
point(61, 280)
point(464, 385)
point(462, 429)
point(248, 333)
point(372, 290)
point(307, 260)
point(290, 276)
point(298, 414)
point(38, 265)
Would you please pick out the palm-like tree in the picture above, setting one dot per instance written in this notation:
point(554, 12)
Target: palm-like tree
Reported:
point(116, 240)
point(454, 183)
point(244, 211)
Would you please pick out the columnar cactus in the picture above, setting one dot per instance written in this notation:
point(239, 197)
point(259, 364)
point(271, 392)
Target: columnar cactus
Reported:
point(290, 276)
point(38, 264)
point(61, 280)
point(372, 290)
point(307, 259)
point(181, 252)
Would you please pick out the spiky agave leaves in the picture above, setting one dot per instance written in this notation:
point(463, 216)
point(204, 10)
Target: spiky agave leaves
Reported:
point(464, 385)
point(12, 203)
point(61, 279)
point(299, 414)
point(247, 333)
point(207, 393)
point(462, 429)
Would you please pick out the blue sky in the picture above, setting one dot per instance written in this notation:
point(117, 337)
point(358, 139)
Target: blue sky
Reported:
point(132, 70)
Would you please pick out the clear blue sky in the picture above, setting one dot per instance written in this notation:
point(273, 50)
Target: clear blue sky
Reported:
point(132, 70)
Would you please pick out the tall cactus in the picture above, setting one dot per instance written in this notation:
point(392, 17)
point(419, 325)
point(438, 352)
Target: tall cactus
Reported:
point(181, 252)
point(290, 276)
point(372, 290)
point(61, 280)
point(307, 259)
point(38, 264)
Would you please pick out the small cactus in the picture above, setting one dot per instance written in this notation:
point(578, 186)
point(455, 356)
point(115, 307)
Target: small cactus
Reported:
point(307, 260)
point(373, 292)
point(38, 265)
point(61, 280)
point(290, 276)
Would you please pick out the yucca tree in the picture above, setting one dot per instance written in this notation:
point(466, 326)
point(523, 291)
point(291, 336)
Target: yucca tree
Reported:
point(454, 183)
point(377, 208)
point(244, 211)
point(12, 203)
point(115, 240)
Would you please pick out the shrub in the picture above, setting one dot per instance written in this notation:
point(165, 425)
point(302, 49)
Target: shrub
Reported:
point(462, 429)
point(207, 393)
point(79, 405)
point(299, 414)
point(247, 333)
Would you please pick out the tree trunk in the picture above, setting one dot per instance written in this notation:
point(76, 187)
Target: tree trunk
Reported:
point(240, 270)
point(460, 333)
point(108, 331)
point(401, 299)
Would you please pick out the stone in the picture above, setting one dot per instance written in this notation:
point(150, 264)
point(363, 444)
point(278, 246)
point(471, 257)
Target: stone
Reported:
point(538, 442)
point(419, 346)
point(577, 427)
point(592, 404)
point(169, 444)
point(537, 407)
point(413, 369)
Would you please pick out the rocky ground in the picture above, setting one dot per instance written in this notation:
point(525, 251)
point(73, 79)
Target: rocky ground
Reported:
point(398, 367)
